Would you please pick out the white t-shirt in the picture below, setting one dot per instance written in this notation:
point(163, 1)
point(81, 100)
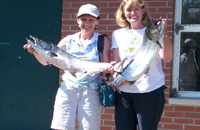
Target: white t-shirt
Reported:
point(128, 41)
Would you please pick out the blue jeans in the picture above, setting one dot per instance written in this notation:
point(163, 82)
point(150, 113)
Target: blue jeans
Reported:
point(144, 109)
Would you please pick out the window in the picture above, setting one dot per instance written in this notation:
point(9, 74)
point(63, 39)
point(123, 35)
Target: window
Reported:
point(186, 62)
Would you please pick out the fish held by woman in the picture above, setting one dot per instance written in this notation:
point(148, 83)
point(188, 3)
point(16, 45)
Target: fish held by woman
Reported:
point(63, 60)
point(146, 55)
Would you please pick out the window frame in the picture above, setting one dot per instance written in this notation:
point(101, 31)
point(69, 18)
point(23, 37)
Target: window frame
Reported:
point(178, 29)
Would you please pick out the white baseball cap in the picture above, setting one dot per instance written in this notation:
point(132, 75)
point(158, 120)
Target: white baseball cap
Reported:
point(88, 9)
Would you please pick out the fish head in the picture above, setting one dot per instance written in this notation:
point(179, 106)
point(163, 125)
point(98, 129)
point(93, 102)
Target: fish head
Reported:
point(155, 29)
point(38, 43)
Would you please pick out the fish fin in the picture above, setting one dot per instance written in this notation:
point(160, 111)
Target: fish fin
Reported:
point(93, 73)
point(147, 72)
point(159, 44)
point(131, 82)
point(48, 64)
point(72, 73)
point(53, 54)
point(119, 66)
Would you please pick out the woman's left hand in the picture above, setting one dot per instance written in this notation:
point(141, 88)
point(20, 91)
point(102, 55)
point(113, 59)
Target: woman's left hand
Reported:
point(110, 68)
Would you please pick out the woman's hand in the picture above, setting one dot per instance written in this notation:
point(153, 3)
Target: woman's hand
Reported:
point(123, 81)
point(29, 48)
point(110, 68)
point(32, 51)
point(165, 27)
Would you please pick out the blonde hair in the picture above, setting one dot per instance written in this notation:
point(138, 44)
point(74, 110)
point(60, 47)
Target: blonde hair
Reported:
point(121, 19)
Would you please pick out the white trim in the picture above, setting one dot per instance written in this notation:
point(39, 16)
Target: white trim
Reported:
point(176, 58)
point(185, 101)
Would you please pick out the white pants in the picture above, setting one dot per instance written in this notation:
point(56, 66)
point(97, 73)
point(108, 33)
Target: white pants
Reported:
point(76, 102)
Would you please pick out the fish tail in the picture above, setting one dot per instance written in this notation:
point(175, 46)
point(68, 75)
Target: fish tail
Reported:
point(115, 83)
point(117, 80)
point(117, 88)
point(119, 66)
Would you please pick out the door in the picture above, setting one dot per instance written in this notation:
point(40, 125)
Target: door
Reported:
point(27, 88)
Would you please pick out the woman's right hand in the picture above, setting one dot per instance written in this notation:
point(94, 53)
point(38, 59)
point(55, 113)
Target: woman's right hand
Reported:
point(123, 81)
point(38, 57)
point(29, 48)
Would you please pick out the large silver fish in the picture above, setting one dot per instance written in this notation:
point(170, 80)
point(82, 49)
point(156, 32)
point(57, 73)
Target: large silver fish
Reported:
point(145, 57)
point(63, 60)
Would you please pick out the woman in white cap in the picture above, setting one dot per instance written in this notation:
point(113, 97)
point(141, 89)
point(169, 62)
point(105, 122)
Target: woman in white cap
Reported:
point(76, 98)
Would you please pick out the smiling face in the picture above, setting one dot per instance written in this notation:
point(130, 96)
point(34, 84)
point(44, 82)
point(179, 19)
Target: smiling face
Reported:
point(133, 15)
point(87, 23)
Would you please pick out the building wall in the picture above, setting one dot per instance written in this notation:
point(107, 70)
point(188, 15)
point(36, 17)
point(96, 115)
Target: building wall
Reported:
point(174, 117)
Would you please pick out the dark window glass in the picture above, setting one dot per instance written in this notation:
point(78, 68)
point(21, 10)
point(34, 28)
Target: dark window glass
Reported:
point(191, 12)
point(189, 74)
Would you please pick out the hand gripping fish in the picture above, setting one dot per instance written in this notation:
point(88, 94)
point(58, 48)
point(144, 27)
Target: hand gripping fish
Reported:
point(146, 55)
point(63, 60)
